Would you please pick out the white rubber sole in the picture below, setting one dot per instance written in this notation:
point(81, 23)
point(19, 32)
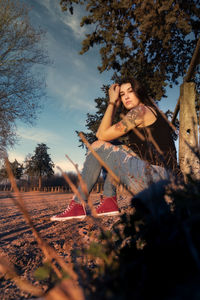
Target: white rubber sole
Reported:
point(112, 213)
point(67, 218)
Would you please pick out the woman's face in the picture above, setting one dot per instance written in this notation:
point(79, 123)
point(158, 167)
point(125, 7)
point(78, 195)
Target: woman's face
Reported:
point(128, 97)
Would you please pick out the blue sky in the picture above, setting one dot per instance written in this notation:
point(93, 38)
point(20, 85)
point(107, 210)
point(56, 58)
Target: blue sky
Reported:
point(73, 82)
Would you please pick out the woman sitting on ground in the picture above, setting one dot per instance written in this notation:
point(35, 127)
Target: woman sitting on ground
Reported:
point(149, 157)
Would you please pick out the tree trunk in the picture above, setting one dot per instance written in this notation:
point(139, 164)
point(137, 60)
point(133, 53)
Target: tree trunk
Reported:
point(188, 138)
point(40, 182)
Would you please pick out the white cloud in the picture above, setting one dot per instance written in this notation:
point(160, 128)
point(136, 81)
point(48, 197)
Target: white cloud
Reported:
point(71, 95)
point(72, 79)
point(15, 155)
point(65, 18)
point(80, 65)
point(37, 135)
point(66, 166)
point(74, 23)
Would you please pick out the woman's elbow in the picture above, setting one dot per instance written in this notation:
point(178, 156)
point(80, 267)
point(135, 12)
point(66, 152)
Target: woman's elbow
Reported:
point(101, 137)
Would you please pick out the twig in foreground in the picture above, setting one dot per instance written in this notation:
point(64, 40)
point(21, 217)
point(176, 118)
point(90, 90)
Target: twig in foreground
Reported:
point(49, 252)
point(84, 189)
point(8, 271)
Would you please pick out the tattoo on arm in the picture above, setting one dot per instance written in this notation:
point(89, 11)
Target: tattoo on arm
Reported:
point(120, 126)
point(125, 124)
point(129, 120)
point(135, 113)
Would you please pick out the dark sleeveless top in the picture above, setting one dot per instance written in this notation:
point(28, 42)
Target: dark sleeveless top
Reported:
point(162, 135)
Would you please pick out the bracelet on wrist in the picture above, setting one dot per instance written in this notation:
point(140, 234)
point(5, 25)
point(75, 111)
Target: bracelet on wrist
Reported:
point(111, 103)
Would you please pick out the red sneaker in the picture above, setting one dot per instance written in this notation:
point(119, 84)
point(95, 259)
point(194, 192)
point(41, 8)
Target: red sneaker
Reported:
point(108, 207)
point(73, 211)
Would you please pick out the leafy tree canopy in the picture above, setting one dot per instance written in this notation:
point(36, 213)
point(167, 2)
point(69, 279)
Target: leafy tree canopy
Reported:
point(40, 164)
point(21, 86)
point(149, 39)
point(16, 167)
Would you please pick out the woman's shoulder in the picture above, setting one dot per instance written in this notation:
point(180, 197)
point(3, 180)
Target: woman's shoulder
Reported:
point(150, 117)
point(159, 114)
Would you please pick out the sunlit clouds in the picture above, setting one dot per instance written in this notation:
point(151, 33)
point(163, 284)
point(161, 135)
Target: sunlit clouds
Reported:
point(19, 157)
point(37, 135)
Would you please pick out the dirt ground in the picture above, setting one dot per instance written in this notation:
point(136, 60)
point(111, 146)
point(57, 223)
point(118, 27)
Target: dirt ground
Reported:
point(18, 244)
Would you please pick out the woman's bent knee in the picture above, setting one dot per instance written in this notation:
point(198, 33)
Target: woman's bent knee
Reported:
point(99, 143)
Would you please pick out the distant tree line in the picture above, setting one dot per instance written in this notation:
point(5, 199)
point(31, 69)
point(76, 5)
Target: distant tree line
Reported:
point(37, 170)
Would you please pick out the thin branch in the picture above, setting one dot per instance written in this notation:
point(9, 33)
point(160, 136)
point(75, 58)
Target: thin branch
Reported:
point(49, 252)
point(84, 188)
point(73, 187)
point(8, 271)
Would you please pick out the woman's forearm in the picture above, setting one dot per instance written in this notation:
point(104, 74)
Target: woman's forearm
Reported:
point(114, 102)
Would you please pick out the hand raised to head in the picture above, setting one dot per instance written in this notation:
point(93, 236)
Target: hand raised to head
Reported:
point(114, 97)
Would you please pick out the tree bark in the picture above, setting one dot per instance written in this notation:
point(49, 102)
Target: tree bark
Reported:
point(40, 182)
point(188, 139)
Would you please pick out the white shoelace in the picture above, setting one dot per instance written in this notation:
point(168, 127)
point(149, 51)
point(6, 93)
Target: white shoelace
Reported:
point(70, 206)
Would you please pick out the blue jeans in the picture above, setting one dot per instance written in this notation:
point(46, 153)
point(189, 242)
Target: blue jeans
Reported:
point(133, 172)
